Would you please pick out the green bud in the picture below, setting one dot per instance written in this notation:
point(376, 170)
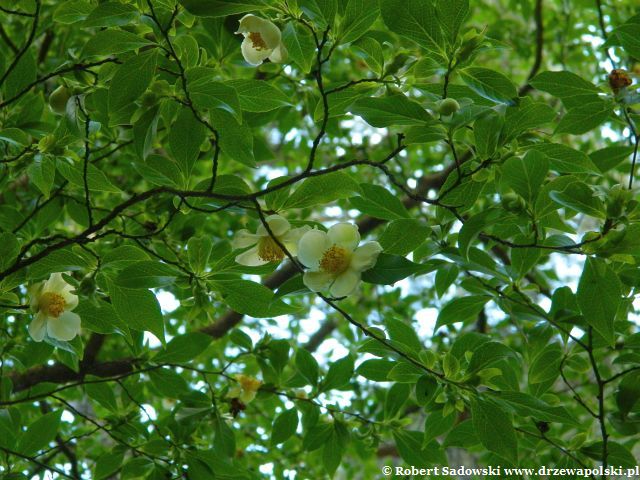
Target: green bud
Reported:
point(58, 100)
point(448, 106)
point(617, 200)
point(47, 143)
point(513, 203)
point(470, 42)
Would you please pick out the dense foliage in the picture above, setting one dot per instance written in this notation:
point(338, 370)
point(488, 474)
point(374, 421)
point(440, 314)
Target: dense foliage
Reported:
point(171, 306)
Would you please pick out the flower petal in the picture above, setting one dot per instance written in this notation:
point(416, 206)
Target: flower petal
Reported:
point(65, 327)
point(311, 247)
point(34, 292)
point(244, 238)
point(317, 281)
point(252, 55)
point(345, 283)
point(292, 237)
point(280, 54)
point(250, 23)
point(278, 225)
point(38, 327)
point(70, 299)
point(345, 235)
point(250, 258)
point(365, 256)
point(55, 284)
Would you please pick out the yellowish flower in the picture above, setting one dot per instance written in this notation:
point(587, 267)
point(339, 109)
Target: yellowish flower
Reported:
point(264, 248)
point(246, 388)
point(262, 40)
point(53, 303)
point(334, 259)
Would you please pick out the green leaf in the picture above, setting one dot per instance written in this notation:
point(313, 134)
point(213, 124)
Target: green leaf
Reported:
point(147, 274)
point(486, 132)
point(222, 8)
point(403, 236)
point(114, 41)
point(370, 50)
point(185, 137)
point(251, 298)
point(284, 426)
point(461, 309)
point(545, 366)
point(618, 455)
point(599, 295)
point(183, 348)
point(581, 198)
point(494, 429)
point(375, 369)
point(111, 14)
point(524, 117)
point(138, 308)
point(102, 393)
point(40, 433)
point(61, 260)
point(395, 398)
point(307, 366)
point(416, 20)
point(526, 174)
point(445, 276)
point(424, 134)
point(392, 110)
point(490, 84)
point(199, 251)
point(527, 405)
point(108, 464)
point(72, 11)
point(359, 16)
point(339, 374)
point(300, 45)
point(627, 35)
point(258, 95)
point(451, 16)
point(567, 86)
point(413, 452)
point(236, 140)
point(628, 392)
point(610, 157)
point(565, 159)
point(402, 333)
point(322, 189)
point(9, 249)
point(101, 318)
point(487, 355)
point(378, 202)
point(391, 268)
point(585, 117)
point(169, 383)
point(96, 179)
point(42, 173)
point(317, 436)
point(334, 448)
point(208, 93)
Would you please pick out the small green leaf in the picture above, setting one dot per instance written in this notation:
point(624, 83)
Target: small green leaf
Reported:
point(258, 95)
point(199, 251)
point(359, 16)
point(403, 236)
point(300, 45)
point(339, 374)
point(138, 308)
point(183, 348)
point(147, 274)
point(378, 202)
point(391, 268)
point(526, 174)
point(322, 189)
point(490, 84)
point(284, 426)
point(185, 137)
point(40, 433)
point(494, 429)
point(599, 295)
point(461, 309)
point(307, 366)
point(113, 41)
point(392, 110)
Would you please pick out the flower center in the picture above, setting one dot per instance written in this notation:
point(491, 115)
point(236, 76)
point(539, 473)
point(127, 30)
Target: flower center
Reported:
point(269, 251)
point(335, 260)
point(52, 303)
point(258, 41)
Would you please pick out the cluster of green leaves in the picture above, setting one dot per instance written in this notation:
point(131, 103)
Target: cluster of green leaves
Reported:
point(135, 141)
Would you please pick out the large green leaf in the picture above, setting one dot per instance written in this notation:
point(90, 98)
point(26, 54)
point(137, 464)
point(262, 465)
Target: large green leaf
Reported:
point(494, 429)
point(490, 84)
point(392, 110)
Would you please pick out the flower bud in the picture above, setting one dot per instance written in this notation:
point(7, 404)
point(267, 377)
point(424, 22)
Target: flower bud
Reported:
point(448, 106)
point(58, 100)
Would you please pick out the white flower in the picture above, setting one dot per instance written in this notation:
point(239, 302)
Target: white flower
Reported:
point(265, 249)
point(53, 301)
point(246, 388)
point(262, 40)
point(334, 259)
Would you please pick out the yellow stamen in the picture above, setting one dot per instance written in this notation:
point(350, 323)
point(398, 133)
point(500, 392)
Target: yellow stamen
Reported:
point(269, 251)
point(335, 260)
point(258, 41)
point(248, 384)
point(52, 304)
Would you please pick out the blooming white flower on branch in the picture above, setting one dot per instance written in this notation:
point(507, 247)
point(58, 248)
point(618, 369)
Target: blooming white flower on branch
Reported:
point(262, 40)
point(334, 259)
point(264, 247)
point(53, 303)
point(246, 388)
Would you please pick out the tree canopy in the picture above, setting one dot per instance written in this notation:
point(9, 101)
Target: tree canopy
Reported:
point(318, 238)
